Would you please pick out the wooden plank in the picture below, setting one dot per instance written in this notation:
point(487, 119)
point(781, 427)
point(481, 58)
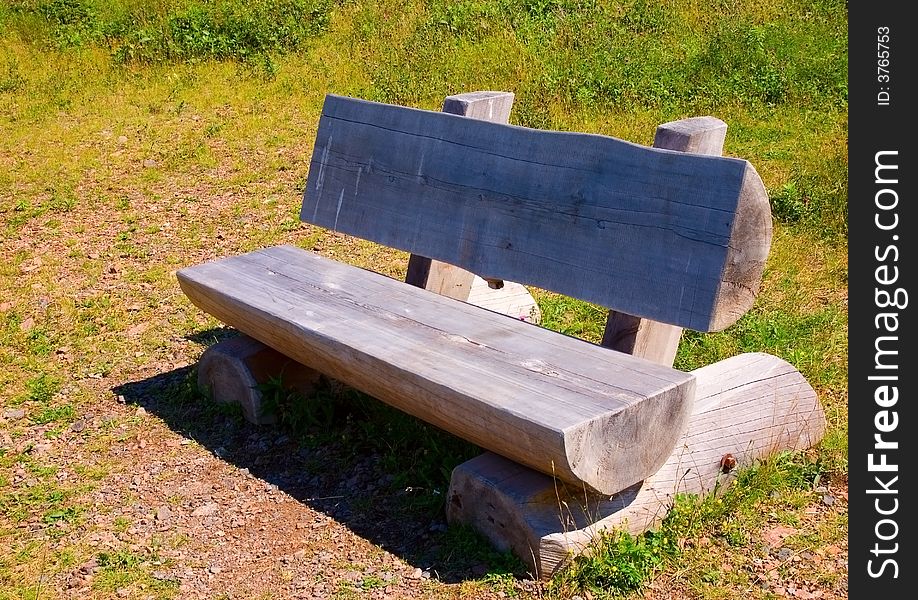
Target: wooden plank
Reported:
point(436, 276)
point(749, 407)
point(557, 404)
point(670, 236)
point(646, 338)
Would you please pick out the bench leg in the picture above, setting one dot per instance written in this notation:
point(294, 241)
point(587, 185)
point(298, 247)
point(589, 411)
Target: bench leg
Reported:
point(231, 371)
point(748, 407)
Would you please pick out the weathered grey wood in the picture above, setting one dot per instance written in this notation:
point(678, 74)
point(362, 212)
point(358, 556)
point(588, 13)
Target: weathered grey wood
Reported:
point(675, 237)
point(493, 106)
point(649, 339)
point(557, 404)
point(436, 276)
point(449, 280)
point(646, 338)
point(512, 299)
point(750, 406)
point(231, 371)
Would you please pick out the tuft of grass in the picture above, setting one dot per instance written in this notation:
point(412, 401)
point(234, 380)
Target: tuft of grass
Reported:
point(122, 568)
point(174, 31)
point(619, 564)
point(571, 316)
point(42, 388)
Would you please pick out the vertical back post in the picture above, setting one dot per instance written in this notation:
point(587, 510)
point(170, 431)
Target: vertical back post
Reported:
point(443, 278)
point(652, 340)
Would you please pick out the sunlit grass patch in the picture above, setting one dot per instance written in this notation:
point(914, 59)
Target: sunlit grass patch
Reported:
point(124, 159)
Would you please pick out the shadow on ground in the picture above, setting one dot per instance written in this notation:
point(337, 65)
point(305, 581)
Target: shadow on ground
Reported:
point(359, 484)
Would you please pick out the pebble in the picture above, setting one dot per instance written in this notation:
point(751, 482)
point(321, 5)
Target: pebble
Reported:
point(828, 500)
point(14, 414)
point(207, 510)
point(163, 513)
point(78, 426)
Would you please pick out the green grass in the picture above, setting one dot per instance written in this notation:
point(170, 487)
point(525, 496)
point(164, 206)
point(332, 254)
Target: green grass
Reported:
point(175, 130)
point(417, 456)
point(619, 563)
point(124, 569)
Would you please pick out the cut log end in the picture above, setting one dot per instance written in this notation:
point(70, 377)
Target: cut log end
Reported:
point(750, 242)
point(612, 454)
point(233, 371)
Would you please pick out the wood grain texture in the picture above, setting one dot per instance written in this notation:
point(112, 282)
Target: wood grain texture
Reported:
point(752, 406)
point(654, 340)
point(486, 105)
point(674, 237)
point(513, 300)
point(557, 404)
point(436, 276)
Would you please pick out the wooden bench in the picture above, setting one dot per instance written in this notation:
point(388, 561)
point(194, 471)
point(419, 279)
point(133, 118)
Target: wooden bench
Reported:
point(666, 237)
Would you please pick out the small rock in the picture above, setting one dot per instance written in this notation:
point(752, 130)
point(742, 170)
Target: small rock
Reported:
point(141, 411)
point(90, 566)
point(27, 325)
point(214, 569)
point(828, 499)
point(149, 163)
point(14, 414)
point(160, 575)
point(78, 426)
point(163, 513)
point(416, 574)
point(785, 553)
point(123, 592)
point(207, 510)
point(122, 139)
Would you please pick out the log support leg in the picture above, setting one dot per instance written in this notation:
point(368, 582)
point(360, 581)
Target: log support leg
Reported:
point(232, 370)
point(747, 408)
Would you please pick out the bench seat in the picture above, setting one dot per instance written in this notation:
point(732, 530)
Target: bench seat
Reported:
point(560, 405)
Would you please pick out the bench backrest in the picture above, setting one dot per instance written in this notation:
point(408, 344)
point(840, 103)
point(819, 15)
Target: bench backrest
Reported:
point(674, 237)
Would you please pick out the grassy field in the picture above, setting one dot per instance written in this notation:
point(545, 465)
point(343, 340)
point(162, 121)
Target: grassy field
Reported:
point(140, 137)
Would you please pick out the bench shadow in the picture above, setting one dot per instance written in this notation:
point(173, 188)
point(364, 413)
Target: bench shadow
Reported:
point(355, 488)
